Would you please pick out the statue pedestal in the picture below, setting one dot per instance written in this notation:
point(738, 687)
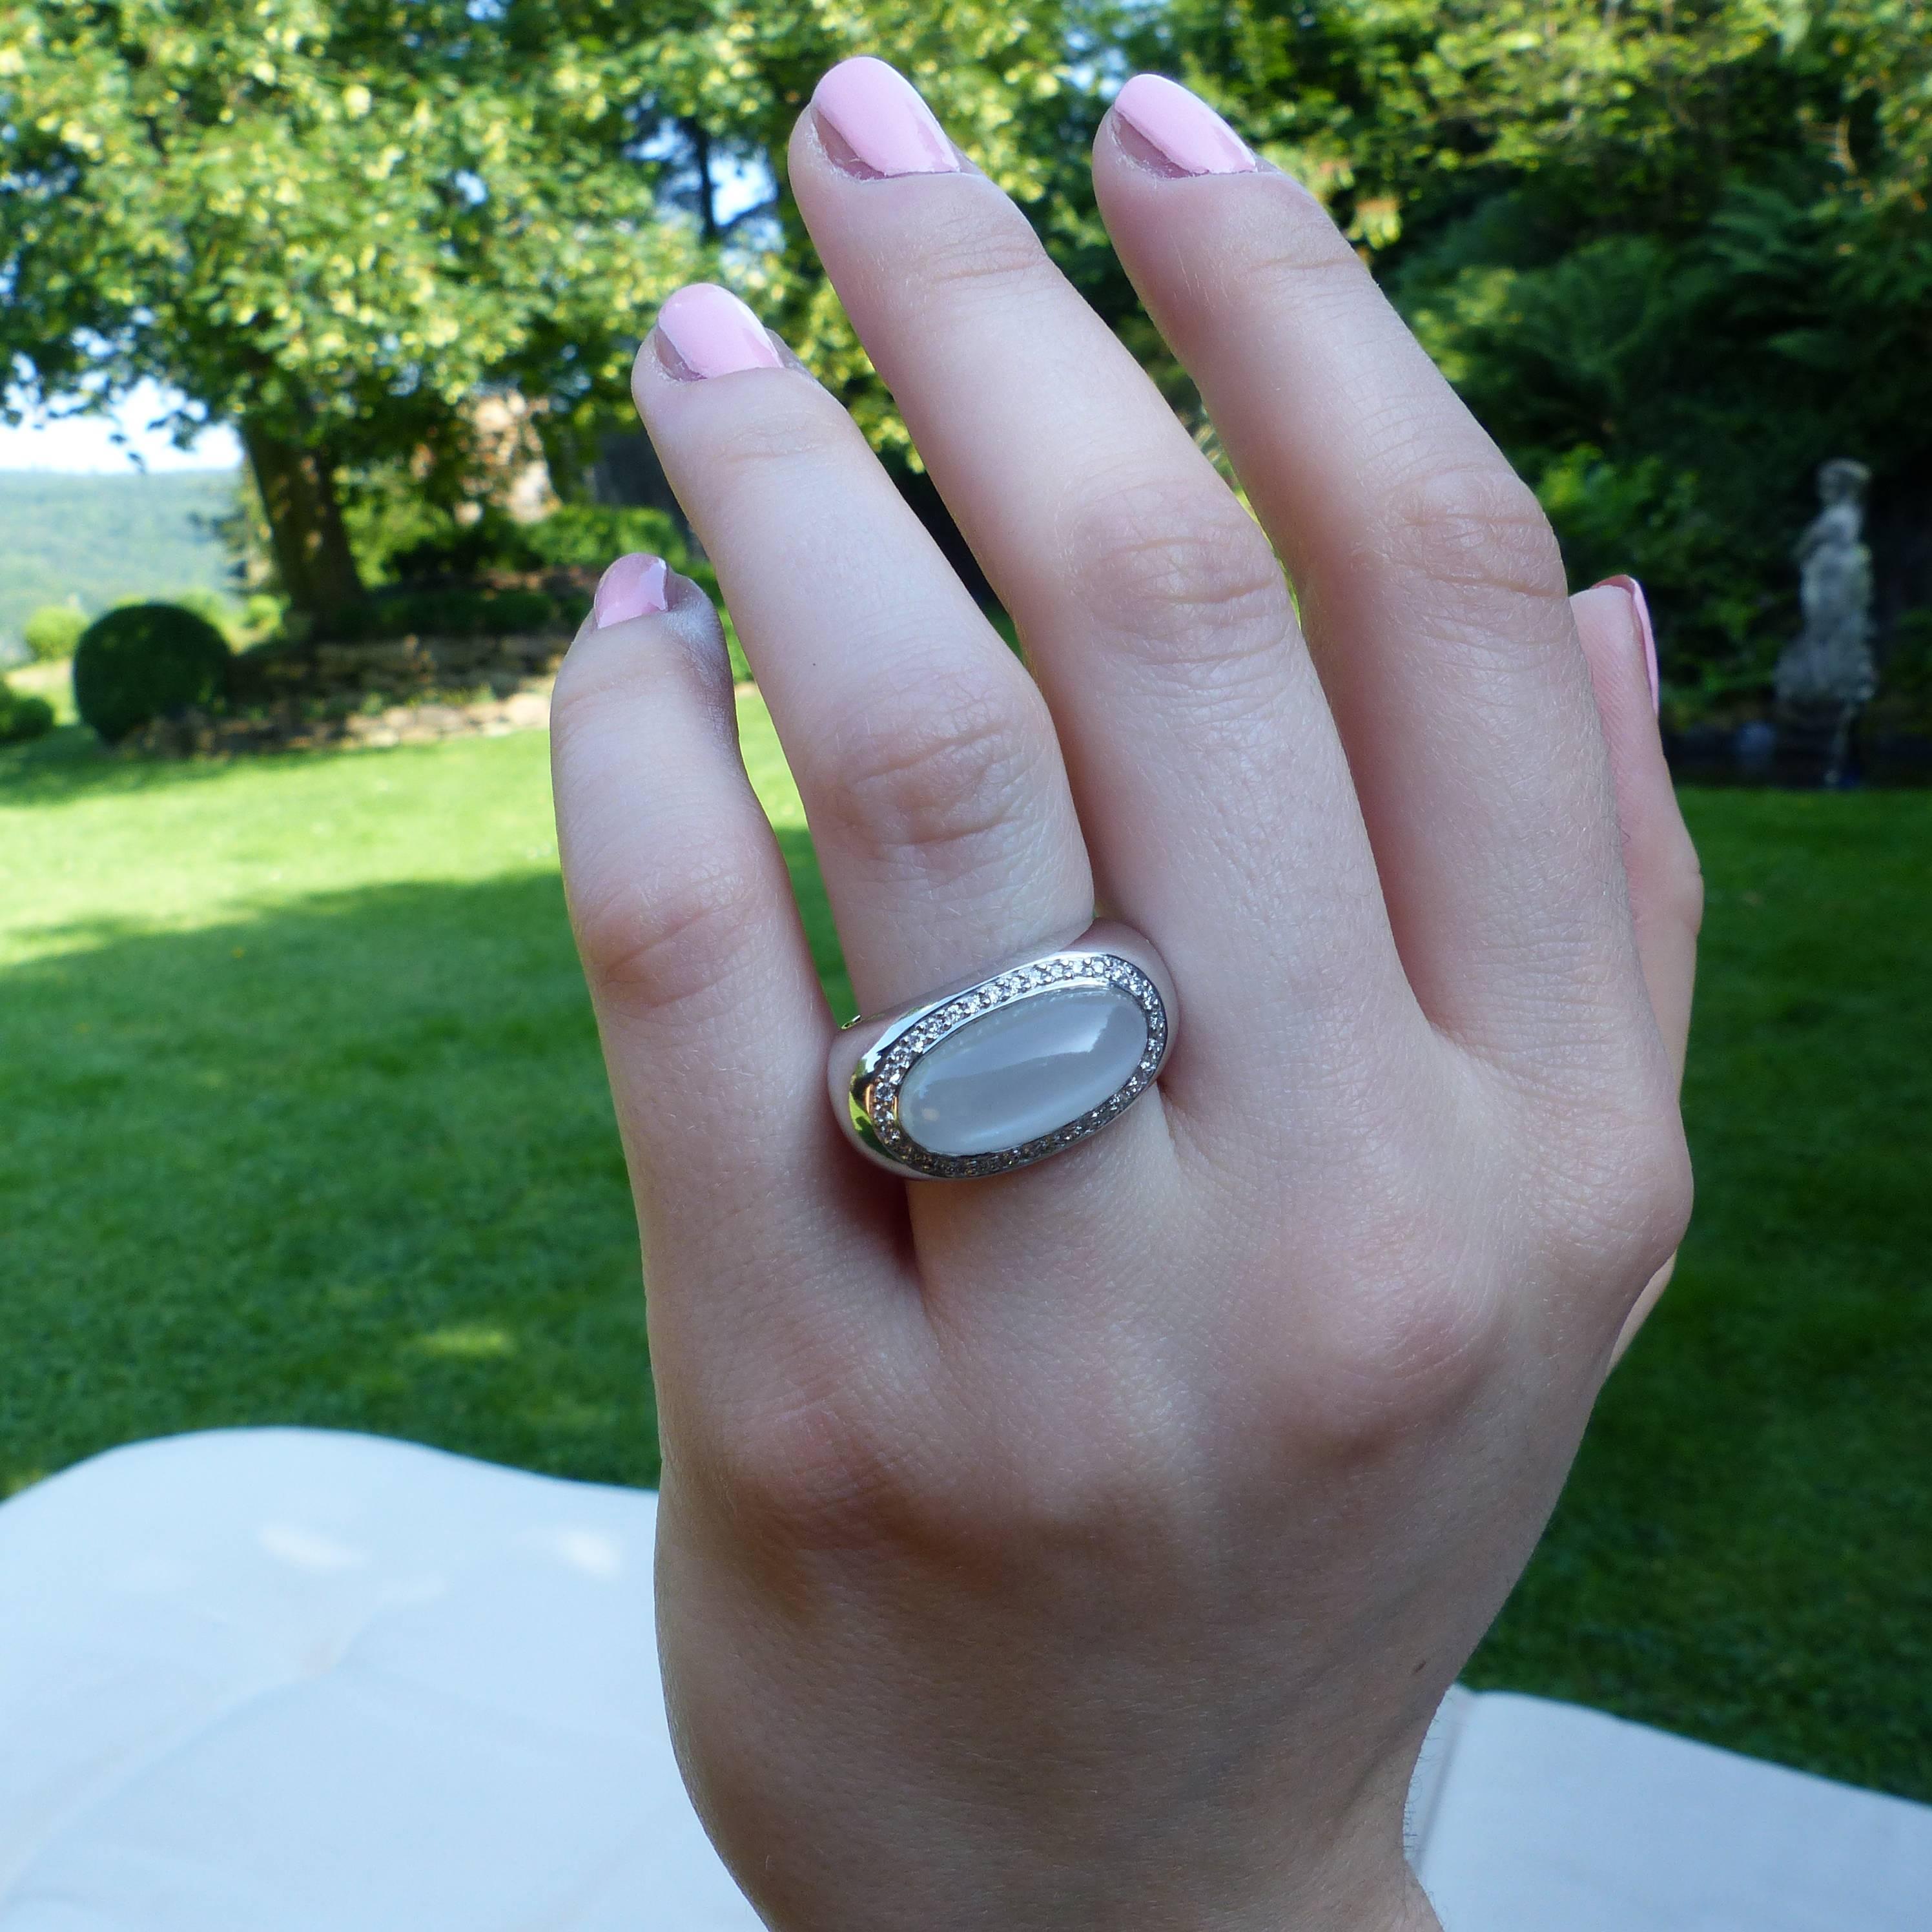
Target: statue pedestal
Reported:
point(1817, 746)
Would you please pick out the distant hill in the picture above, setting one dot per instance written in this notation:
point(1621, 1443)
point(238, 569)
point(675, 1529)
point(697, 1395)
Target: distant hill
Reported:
point(102, 538)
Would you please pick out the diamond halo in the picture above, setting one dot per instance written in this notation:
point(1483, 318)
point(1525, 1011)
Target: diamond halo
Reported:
point(876, 1079)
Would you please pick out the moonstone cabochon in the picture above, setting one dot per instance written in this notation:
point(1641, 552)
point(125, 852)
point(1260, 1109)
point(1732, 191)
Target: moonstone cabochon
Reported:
point(1023, 1070)
point(866, 1075)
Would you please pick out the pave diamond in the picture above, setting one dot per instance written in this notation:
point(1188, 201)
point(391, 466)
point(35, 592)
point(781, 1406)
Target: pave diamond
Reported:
point(880, 1102)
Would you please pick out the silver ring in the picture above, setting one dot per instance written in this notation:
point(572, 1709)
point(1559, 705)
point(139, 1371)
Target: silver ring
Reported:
point(1003, 1070)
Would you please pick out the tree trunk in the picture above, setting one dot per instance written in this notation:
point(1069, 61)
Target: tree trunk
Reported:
point(305, 529)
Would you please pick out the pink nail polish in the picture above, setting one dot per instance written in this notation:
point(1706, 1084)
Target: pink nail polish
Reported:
point(633, 586)
point(712, 333)
point(878, 115)
point(1181, 128)
point(1649, 636)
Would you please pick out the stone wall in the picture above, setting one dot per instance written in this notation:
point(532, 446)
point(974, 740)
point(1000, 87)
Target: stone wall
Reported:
point(410, 691)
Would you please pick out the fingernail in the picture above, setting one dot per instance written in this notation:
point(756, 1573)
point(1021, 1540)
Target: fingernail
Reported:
point(1649, 636)
point(712, 333)
point(879, 117)
point(632, 586)
point(1181, 128)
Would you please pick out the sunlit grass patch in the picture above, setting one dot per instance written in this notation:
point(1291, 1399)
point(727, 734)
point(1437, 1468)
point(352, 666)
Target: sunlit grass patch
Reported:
point(307, 1123)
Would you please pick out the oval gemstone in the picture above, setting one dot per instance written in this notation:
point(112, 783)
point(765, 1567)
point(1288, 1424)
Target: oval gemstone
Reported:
point(1023, 1070)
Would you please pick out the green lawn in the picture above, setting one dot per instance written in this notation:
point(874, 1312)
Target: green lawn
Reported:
point(307, 1124)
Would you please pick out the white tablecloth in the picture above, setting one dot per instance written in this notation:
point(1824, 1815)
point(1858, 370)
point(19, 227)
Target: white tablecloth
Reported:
point(290, 1681)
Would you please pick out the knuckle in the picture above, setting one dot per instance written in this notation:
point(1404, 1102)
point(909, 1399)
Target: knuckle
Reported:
point(1671, 1195)
point(1682, 897)
point(803, 426)
point(1652, 1207)
point(1306, 258)
point(1616, 1193)
point(1474, 527)
point(1181, 572)
point(817, 1474)
point(964, 251)
point(652, 945)
point(1412, 1345)
point(945, 782)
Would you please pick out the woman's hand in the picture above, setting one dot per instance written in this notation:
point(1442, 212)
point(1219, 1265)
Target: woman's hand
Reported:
point(1090, 1546)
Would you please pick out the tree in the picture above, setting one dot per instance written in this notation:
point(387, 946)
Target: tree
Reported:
point(331, 222)
point(1674, 252)
point(327, 223)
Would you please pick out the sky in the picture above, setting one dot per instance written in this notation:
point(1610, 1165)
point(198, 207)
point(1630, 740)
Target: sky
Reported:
point(86, 445)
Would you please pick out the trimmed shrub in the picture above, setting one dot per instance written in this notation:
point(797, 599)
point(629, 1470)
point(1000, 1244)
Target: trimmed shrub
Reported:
point(53, 631)
point(143, 662)
point(21, 717)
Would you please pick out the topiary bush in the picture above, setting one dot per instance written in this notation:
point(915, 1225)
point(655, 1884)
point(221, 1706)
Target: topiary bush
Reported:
point(143, 662)
point(21, 717)
point(53, 631)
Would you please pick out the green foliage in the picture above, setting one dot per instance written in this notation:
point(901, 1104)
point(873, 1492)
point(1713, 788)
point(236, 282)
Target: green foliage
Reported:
point(1673, 400)
point(452, 612)
point(1644, 518)
point(143, 662)
point(587, 536)
point(336, 224)
point(53, 631)
point(22, 717)
point(335, 220)
point(211, 606)
point(1907, 670)
point(573, 536)
point(97, 541)
point(580, 538)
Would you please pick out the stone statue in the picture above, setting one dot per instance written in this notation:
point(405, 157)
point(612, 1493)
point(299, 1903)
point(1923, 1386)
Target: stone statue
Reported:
point(1826, 676)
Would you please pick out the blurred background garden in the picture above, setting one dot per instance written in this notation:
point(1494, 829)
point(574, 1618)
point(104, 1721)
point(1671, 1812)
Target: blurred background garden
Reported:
point(305, 1120)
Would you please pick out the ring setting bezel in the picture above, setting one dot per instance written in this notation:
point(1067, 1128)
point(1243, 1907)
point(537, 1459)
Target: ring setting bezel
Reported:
point(871, 1093)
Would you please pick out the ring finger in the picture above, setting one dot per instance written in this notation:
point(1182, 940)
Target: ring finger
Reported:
point(1211, 782)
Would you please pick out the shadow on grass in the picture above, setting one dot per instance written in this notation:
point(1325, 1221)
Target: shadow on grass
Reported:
point(350, 1163)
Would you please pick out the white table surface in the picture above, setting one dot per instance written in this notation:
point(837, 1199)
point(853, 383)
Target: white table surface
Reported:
point(295, 1681)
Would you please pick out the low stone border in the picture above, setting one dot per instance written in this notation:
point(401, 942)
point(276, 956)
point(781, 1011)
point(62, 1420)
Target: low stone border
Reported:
point(201, 734)
point(334, 698)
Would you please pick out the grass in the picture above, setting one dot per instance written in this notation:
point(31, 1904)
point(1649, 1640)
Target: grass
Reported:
point(53, 681)
point(308, 1125)
point(1745, 1552)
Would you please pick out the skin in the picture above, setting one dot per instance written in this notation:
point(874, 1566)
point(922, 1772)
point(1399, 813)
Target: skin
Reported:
point(1090, 1546)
